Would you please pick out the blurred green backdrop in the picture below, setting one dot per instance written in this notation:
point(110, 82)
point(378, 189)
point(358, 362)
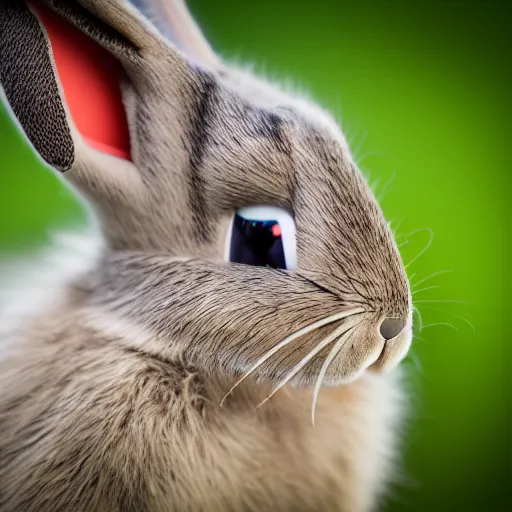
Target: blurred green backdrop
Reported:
point(422, 92)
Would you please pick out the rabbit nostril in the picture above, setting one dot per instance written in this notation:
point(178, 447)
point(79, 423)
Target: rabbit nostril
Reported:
point(391, 327)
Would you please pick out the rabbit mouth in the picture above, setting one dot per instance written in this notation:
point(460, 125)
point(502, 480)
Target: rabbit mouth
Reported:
point(351, 348)
point(354, 353)
point(363, 349)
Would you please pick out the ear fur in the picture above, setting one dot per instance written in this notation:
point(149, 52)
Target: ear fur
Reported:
point(30, 86)
point(33, 91)
point(175, 21)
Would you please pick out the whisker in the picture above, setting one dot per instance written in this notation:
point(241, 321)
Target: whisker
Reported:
point(453, 314)
point(375, 184)
point(416, 337)
point(364, 156)
point(305, 360)
point(420, 319)
point(414, 292)
point(301, 332)
point(325, 366)
point(414, 358)
point(338, 116)
point(396, 228)
point(441, 300)
point(382, 193)
point(425, 249)
point(432, 275)
point(440, 323)
point(360, 145)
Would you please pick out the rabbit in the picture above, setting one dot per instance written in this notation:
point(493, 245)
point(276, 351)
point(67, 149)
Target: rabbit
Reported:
point(159, 376)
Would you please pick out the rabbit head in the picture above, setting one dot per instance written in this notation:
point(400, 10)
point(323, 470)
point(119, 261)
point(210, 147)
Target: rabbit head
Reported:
point(206, 140)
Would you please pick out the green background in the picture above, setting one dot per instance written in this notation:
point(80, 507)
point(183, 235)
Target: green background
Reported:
point(422, 92)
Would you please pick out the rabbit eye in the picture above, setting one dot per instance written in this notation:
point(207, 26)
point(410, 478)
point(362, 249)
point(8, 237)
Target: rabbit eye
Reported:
point(262, 236)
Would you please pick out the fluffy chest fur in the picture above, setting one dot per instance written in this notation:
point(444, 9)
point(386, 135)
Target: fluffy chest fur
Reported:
point(116, 429)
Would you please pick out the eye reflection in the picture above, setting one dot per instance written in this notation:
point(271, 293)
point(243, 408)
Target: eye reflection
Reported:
point(262, 236)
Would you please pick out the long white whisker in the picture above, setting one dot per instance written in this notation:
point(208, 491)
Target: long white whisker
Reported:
point(414, 292)
point(453, 314)
point(397, 227)
point(363, 157)
point(296, 369)
point(301, 332)
point(413, 356)
point(432, 275)
point(325, 366)
point(440, 323)
point(360, 145)
point(441, 300)
point(382, 193)
point(420, 319)
point(375, 184)
point(425, 249)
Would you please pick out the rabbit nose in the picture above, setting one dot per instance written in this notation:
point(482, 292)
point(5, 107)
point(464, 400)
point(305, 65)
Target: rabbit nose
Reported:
point(391, 327)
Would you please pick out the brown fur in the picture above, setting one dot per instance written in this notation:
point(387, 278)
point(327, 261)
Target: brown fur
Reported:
point(110, 400)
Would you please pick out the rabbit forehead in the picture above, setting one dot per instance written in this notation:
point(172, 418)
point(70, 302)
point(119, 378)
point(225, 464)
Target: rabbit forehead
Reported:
point(270, 95)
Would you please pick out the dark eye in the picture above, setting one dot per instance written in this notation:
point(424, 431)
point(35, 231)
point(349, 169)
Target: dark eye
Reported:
point(262, 236)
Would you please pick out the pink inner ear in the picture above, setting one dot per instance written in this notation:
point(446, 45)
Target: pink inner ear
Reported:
point(90, 80)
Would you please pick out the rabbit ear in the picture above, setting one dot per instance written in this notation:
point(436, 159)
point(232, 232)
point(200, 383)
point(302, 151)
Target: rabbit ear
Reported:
point(174, 110)
point(31, 86)
point(115, 24)
point(175, 21)
point(30, 77)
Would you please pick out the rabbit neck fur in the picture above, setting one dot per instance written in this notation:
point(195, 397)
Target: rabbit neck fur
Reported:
point(155, 435)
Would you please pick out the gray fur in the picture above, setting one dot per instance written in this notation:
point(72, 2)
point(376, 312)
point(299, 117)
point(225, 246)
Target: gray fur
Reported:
point(110, 400)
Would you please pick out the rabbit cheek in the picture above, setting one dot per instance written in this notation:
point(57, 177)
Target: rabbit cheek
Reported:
point(361, 350)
